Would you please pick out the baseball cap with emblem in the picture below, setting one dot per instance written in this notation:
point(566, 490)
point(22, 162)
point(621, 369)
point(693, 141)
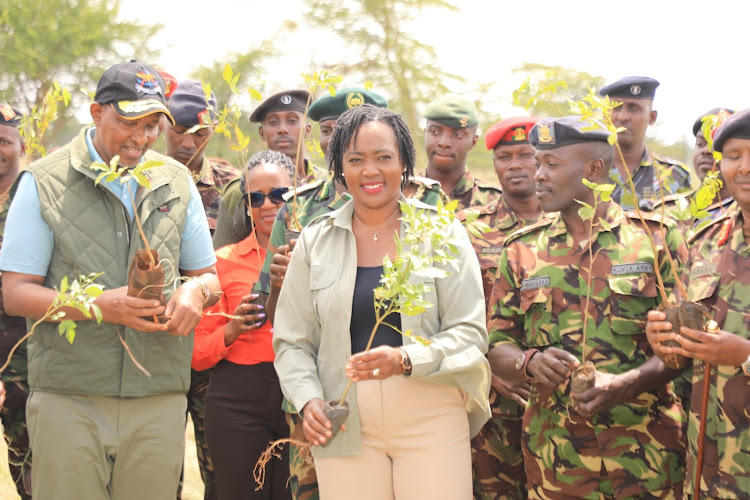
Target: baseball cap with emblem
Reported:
point(286, 100)
point(510, 131)
point(452, 110)
point(631, 87)
point(190, 108)
point(329, 107)
point(9, 116)
point(134, 89)
point(737, 126)
point(553, 133)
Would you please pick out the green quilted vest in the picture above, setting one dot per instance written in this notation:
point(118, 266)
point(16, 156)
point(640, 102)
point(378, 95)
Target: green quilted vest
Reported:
point(93, 233)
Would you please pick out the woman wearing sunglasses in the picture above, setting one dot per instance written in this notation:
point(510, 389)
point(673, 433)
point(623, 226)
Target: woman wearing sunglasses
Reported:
point(413, 407)
point(243, 402)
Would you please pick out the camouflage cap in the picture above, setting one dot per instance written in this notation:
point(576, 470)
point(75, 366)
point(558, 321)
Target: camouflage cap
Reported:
point(699, 121)
point(510, 131)
point(329, 107)
point(736, 127)
point(286, 100)
point(452, 110)
point(10, 116)
point(631, 87)
point(553, 133)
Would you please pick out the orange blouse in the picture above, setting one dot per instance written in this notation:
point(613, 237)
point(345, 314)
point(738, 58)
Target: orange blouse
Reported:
point(238, 266)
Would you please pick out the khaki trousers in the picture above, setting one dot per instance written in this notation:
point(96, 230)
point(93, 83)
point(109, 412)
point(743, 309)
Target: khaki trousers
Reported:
point(415, 445)
point(101, 448)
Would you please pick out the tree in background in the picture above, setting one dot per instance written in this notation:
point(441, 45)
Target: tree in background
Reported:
point(65, 41)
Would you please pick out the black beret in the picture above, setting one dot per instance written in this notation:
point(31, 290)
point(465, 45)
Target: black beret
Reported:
point(632, 87)
point(9, 116)
point(286, 100)
point(329, 107)
point(699, 122)
point(188, 105)
point(553, 133)
point(736, 127)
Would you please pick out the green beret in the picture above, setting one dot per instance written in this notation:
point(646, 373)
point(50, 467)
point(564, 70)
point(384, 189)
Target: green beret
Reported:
point(452, 110)
point(553, 133)
point(329, 107)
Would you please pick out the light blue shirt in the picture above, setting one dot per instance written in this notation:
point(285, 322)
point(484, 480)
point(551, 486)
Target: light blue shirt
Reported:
point(28, 241)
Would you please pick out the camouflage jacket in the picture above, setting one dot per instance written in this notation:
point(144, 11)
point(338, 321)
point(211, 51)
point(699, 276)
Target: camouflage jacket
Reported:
point(677, 206)
point(489, 246)
point(471, 192)
point(675, 178)
point(12, 328)
point(536, 302)
point(719, 278)
point(210, 181)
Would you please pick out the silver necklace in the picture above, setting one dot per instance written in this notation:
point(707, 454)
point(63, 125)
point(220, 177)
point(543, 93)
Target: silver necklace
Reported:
point(375, 235)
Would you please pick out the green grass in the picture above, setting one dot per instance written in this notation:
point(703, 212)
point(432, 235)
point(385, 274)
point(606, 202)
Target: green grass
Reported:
point(192, 489)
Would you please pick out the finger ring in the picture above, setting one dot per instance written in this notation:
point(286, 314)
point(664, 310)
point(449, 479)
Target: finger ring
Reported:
point(376, 372)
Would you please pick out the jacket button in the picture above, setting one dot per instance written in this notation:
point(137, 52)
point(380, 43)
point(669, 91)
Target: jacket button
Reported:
point(153, 202)
point(119, 234)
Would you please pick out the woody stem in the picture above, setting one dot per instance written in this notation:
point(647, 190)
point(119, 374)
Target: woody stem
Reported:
point(140, 228)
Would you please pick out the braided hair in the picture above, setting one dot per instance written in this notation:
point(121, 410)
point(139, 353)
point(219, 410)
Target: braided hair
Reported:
point(266, 157)
point(347, 129)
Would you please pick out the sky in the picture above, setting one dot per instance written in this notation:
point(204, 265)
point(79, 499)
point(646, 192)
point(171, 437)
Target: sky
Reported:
point(695, 49)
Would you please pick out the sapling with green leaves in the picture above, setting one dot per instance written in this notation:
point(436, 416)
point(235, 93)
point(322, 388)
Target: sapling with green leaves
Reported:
point(78, 294)
point(35, 124)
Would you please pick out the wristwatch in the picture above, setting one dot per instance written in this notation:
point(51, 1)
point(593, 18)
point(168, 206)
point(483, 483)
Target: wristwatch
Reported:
point(522, 363)
point(746, 367)
point(405, 362)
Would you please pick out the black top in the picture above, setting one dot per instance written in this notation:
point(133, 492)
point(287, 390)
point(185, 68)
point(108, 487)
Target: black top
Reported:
point(363, 313)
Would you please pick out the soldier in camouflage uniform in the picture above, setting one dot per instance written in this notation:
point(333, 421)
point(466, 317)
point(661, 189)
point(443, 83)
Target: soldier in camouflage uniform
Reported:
point(621, 438)
point(635, 114)
point(13, 328)
point(195, 119)
point(282, 119)
point(718, 277)
point(497, 457)
point(313, 200)
point(450, 133)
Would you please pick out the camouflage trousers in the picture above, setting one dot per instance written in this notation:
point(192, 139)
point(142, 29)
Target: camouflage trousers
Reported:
point(13, 414)
point(303, 482)
point(497, 456)
point(195, 398)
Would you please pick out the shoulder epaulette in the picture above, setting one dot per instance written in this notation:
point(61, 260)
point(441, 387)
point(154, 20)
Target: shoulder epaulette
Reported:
point(425, 180)
point(303, 189)
point(702, 229)
point(655, 217)
point(544, 221)
point(484, 185)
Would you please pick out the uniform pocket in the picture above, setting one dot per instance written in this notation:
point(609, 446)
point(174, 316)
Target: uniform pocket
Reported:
point(322, 276)
point(630, 300)
point(540, 329)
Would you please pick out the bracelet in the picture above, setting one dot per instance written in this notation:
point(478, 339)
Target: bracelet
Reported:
point(405, 362)
point(204, 290)
point(527, 357)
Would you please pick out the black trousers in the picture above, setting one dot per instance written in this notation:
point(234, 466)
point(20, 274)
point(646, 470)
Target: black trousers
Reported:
point(242, 416)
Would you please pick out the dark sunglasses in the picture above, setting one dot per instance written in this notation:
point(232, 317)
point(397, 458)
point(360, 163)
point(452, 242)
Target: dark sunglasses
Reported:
point(276, 195)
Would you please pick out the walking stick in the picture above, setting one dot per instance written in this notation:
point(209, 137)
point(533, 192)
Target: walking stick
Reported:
point(712, 327)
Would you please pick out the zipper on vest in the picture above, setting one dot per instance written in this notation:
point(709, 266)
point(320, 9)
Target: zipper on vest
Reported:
point(127, 222)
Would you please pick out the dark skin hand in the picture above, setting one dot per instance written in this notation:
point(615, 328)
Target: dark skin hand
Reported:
point(552, 367)
point(247, 319)
point(315, 424)
point(720, 348)
point(516, 392)
point(279, 265)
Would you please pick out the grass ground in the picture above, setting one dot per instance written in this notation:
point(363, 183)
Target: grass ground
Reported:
point(191, 490)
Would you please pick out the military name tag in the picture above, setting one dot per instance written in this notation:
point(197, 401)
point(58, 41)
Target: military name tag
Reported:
point(634, 268)
point(534, 283)
point(705, 270)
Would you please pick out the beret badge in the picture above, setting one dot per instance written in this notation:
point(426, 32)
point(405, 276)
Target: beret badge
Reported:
point(546, 134)
point(635, 89)
point(519, 134)
point(7, 112)
point(354, 99)
point(286, 99)
point(464, 120)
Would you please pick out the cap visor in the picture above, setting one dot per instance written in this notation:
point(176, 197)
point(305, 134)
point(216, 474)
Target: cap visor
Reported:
point(132, 110)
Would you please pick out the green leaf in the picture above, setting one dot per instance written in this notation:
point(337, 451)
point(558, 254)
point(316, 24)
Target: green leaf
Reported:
point(605, 225)
point(227, 74)
point(586, 212)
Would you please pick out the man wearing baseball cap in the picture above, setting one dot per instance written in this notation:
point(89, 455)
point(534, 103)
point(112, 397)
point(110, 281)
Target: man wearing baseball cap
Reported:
point(497, 457)
point(99, 425)
point(13, 328)
point(635, 114)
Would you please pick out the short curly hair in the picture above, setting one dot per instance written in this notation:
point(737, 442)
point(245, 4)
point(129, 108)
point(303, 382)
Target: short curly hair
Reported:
point(270, 157)
point(347, 129)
